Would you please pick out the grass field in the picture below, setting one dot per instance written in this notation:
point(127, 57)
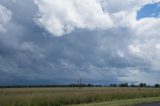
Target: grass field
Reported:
point(125, 102)
point(70, 96)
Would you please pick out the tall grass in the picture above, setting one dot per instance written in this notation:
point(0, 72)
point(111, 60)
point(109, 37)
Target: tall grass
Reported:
point(65, 96)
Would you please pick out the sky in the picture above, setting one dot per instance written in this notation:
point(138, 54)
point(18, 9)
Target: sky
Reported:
point(149, 10)
point(61, 41)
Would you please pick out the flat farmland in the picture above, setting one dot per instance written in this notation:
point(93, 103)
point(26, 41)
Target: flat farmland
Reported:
point(71, 96)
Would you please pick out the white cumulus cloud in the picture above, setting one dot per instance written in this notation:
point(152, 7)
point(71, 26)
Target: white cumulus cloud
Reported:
point(146, 42)
point(5, 16)
point(64, 16)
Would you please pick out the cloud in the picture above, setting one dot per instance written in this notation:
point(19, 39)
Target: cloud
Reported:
point(60, 17)
point(5, 16)
point(145, 32)
point(146, 42)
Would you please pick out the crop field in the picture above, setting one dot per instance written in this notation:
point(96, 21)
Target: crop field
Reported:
point(70, 96)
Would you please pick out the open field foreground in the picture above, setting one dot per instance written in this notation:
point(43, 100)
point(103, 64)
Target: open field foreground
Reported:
point(127, 102)
point(70, 96)
point(150, 104)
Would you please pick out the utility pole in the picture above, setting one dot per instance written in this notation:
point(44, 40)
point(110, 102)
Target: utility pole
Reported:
point(80, 82)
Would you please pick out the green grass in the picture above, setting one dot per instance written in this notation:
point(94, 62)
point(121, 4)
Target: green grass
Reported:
point(127, 102)
point(68, 96)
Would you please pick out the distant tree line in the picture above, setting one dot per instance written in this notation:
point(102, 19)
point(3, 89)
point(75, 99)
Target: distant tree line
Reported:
point(134, 85)
point(80, 85)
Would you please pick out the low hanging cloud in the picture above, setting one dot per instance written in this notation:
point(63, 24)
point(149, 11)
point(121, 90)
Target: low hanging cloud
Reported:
point(5, 16)
point(60, 17)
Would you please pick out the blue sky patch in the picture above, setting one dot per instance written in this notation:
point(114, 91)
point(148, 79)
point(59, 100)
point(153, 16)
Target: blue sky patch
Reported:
point(149, 10)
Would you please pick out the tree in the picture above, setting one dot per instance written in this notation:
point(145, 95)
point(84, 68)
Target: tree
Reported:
point(142, 85)
point(157, 85)
point(132, 85)
point(124, 85)
point(113, 85)
point(90, 85)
